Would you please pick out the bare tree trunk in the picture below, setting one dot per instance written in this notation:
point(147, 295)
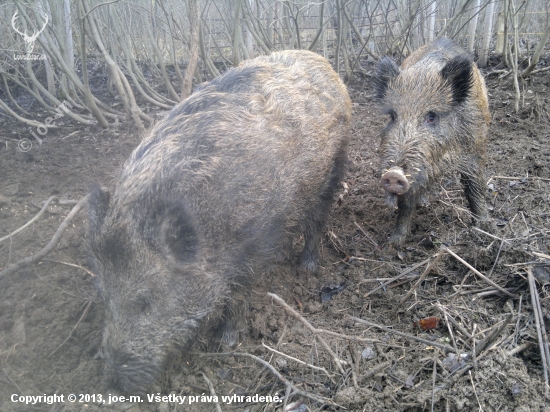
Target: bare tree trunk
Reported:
point(194, 20)
point(249, 37)
point(69, 43)
point(538, 51)
point(407, 23)
point(205, 56)
point(147, 92)
point(472, 27)
point(320, 27)
point(487, 35)
point(286, 19)
point(270, 25)
point(13, 101)
point(514, 55)
point(123, 88)
point(278, 25)
point(254, 30)
point(90, 102)
point(338, 37)
point(240, 38)
point(346, 40)
point(160, 60)
point(324, 42)
point(431, 20)
point(458, 15)
point(172, 46)
point(297, 18)
point(236, 31)
point(47, 64)
point(59, 60)
point(500, 47)
point(359, 37)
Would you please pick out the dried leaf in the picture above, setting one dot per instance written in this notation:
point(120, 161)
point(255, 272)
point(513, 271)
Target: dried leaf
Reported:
point(428, 323)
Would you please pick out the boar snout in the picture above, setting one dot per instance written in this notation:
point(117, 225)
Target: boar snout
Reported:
point(394, 181)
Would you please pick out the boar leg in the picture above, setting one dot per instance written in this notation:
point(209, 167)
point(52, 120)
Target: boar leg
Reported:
point(318, 213)
point(310, 254)
point(474, 189)
point(405, 207)
point(232, 325)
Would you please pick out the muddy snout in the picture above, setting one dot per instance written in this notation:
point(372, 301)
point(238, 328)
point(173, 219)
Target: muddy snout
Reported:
point(394, 181)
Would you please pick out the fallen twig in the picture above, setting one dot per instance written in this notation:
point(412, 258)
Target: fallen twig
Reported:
point(212, 391)
point(434, 374)
point(354, 366)
point(375, 370)
point(12, 382)
point(298, 360)
point(507, 72)
point(65, 202)
point(366, 235)
point(489, 234)
point(517, 178)
point(72, 265)
point(48, 248)
point(274, 371)
point(451, 334)
point(405, 272)
point(406, 335)
point(541, 255)
point(475, 392)
point(541, 329)
point(73, 329)
point(496, 259)
point(488, 292)
point(518, 349)
point(477, 272)
point(457, 325)
point(308, 325)
point(378, 280)
point(544, 69)
point(493, 335)
point(30, 222)
point(423, 276)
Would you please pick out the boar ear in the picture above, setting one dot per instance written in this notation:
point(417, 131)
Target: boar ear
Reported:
point(98, 206)
point(178, 237)
point(458, 73)
point(386, 70)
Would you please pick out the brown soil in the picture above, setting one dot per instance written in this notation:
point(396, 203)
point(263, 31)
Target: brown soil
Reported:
point(51, 316)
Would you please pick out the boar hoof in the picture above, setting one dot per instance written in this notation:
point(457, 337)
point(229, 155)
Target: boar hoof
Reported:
point(398, 237)
point(397, 240)
point(230, 337)
point(487, 225)
point(308, 264)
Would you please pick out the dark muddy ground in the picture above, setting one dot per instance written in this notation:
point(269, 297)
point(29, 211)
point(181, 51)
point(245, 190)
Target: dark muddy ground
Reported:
point(51, 316)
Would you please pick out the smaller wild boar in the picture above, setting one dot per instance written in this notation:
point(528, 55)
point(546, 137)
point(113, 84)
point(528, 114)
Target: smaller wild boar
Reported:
point(439, 118)
point(207, 200)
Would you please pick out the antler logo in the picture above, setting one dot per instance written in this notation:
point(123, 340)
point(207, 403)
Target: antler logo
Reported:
point(29, 40)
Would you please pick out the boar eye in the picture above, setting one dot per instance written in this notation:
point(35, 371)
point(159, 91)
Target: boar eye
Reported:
point(143, 304)
point(392, 114)
point(431, 117)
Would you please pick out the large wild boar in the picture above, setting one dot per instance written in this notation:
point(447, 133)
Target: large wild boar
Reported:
point(439, 118)
point(208, 199)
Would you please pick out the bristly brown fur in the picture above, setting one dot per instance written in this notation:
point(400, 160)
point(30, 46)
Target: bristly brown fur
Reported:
point(206, 200)
point(439, 121)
